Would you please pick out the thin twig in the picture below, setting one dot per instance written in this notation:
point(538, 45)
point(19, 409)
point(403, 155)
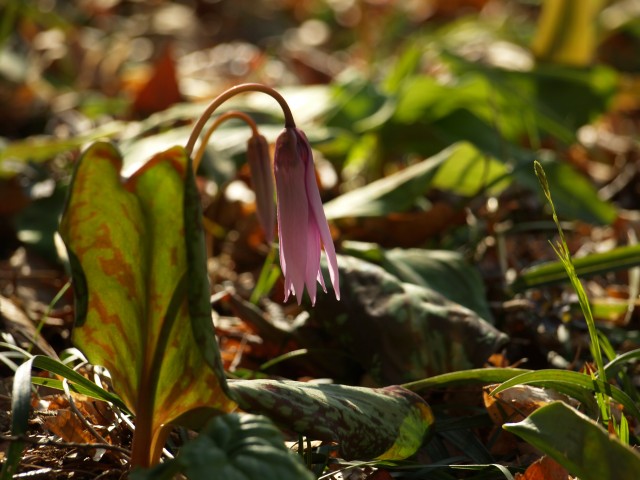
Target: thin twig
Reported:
point(55, 443)
point(85, 422)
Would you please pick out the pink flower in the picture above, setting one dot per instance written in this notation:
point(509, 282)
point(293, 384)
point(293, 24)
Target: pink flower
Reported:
point(302, 225)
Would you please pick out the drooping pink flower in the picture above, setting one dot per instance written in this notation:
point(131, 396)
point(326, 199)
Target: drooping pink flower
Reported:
point(302, 225)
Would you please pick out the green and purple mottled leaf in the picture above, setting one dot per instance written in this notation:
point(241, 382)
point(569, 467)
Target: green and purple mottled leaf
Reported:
point(399, 332)
point(367, 423)
point(133, 258)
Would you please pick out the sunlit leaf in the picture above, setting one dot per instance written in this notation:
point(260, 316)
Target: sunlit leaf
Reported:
point(233, 447)
point(383, 423)
point(128, 248)
point(567, 32)
point(578, 443)
point(394, 193)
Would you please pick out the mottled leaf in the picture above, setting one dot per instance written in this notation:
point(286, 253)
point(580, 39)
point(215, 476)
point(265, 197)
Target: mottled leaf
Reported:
point(400, 332)
point(367, 423)
point(445, 271)
point(233, 447)
point(130, 251)
point(578, 443)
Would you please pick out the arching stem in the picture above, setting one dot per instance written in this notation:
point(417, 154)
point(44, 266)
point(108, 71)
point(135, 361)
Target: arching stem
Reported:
point(197, 157)
point(226, 95)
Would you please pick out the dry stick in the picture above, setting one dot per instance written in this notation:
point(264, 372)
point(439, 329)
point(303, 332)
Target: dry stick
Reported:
point(225, 116)
point(85, 422)
point(55, 443)
point(226, 95)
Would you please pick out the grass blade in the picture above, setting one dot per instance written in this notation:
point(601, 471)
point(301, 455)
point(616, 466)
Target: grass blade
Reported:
point(20, 408)
point(566, 382)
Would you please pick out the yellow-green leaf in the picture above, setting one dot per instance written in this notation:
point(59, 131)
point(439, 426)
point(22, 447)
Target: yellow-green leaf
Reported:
point(133, 257)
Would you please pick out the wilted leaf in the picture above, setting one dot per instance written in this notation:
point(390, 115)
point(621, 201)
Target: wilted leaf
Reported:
point(518, 402)
point(400, 332)
point(130, 247)
point(66, 425)
point(233, 447)
point(383, 423)
point(578, 443)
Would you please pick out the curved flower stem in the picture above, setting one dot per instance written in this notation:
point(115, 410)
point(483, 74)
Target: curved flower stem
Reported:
point(226, 95)
point(197, 157)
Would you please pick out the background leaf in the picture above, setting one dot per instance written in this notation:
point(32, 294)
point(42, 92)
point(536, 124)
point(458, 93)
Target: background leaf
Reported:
point(399, 332)
point(444, 271)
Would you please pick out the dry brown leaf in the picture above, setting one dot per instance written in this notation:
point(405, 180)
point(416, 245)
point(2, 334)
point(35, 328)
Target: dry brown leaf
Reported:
point(544, 469)
point(516, 403)
point(66, 425)
point(161, 89)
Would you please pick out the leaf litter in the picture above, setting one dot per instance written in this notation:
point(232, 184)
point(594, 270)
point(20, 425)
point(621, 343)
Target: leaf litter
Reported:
point(375, 336)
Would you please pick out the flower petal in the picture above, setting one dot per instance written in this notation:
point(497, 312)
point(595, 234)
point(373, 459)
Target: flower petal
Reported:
point(317, 211)
point(293, 214)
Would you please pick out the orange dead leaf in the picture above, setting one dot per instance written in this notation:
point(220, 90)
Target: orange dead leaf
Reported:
point(161, 89)
point(544, 469)
point(516, 403)
point(66, 425)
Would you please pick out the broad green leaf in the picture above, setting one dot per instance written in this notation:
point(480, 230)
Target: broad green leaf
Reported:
point(40, 149)
point(367, 423)
point(129, 246)
point(233, 447)
point(577, 443)
point(574, 384)
point(470, 172)
point(400, 332)
point(444, 271)
point(620, 258)
point(395, 193)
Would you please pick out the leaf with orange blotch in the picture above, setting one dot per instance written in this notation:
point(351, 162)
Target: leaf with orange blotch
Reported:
point(142, 296)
